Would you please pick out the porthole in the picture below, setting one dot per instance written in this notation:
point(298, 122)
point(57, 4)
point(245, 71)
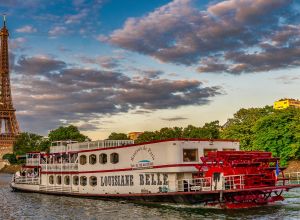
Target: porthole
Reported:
point(83, 180)
point(114, 158)
point(82, 159)
point(67, 180)
point(51, 179)
point(93, 159)
point(103, 158)
point(93, 181)
point(75, 180)
point(58, 180)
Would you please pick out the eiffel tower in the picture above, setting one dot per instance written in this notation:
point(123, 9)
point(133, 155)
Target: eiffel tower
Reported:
point(9, 128)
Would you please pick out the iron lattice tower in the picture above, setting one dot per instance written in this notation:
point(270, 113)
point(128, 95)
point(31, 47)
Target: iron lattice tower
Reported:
point(9, 128)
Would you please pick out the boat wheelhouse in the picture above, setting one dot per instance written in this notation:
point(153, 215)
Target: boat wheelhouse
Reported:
point(173, 170)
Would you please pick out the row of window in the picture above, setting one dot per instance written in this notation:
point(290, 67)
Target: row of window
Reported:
point(76, 180)
point(114, 158)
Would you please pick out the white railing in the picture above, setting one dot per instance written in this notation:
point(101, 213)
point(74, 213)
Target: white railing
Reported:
point(90, 145)
point(233, 182)
point(230, 182)
point(293, 178)
point(32, 161)
point(60, 167)
point(197, 184)
point(27, 180)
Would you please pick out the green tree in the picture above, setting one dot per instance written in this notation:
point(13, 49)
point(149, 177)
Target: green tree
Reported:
point(147, 136)
point(11, 158)
point(70, 132)
point(117, 136)
point(209, 130)
point(29, 142)
point(241, 125)
point(279, 133)
point(167, 133)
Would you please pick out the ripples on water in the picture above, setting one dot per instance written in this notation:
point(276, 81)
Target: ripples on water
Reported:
point(39, 206)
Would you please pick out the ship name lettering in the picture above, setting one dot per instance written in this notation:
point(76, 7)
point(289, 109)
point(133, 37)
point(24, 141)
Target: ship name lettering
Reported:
point(119, 180)
point(152, 179)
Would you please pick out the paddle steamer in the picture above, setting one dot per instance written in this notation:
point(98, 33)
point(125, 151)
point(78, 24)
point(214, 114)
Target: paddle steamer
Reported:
point(212, 172)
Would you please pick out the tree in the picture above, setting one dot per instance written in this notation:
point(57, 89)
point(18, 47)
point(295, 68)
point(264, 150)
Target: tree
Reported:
point(117, 136)
point(241, 125)
point(11, 158)
point(29, 142)
point(209, 130)
point(70, 132)
point(167, 133)
point(147, 136)
point(279, 133)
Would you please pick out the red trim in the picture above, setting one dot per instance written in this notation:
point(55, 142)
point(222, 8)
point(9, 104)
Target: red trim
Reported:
point(118, 170)
point(150, 142)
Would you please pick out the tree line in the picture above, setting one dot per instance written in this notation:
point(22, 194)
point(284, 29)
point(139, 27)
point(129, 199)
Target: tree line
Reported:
point(257, 129)
point(263, 129)
point(30, 142)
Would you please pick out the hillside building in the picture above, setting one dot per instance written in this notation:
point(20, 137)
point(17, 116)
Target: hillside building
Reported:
point(285, 103)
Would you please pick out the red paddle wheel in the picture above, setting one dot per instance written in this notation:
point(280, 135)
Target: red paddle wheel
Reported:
point(248, 178)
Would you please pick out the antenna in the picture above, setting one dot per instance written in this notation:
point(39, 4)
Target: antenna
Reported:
point(4, 19)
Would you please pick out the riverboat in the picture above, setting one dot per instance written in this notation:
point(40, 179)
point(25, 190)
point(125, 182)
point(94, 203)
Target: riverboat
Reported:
point(193, 171)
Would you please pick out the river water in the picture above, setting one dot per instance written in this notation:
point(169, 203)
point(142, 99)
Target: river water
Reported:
point(17, 205)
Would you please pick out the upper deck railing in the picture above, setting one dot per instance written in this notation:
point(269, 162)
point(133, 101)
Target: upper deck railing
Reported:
point(66, 147)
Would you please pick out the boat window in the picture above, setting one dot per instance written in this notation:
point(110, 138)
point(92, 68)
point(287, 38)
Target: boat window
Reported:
point(93, 159)
point(114, 158)
point(82, 159)
point(206, 150)
point(67, 180)
point(75, 180)
point(83, 180)
point(58, 180)
point(51, 179)
point(103, 158)
point(93, 181)
point(190, 155)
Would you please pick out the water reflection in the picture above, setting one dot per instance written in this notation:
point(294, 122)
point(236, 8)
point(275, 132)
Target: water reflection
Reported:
point(39, 206)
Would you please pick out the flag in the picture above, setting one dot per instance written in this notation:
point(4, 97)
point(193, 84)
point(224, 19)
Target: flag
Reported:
point(277, 170)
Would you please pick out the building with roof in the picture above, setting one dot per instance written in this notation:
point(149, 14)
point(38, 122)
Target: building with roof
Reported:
point(285, 103)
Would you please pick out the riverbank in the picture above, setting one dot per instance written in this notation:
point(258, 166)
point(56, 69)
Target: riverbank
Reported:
point(10, 169)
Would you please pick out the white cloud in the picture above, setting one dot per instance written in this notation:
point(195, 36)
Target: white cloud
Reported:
point(26, 29)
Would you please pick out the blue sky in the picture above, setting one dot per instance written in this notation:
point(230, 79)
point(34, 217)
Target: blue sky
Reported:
point(135, 65)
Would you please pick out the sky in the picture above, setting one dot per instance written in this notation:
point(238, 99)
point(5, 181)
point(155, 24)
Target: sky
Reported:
point(136, 65)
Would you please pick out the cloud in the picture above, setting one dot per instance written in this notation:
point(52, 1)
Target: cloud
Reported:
point(108, 62)
point(76, 18)
point(177, 118)
point(288, 79)
point(56, 31)
point(17, 43)
point(26, 29)
point(180, 33)
point(48, 92)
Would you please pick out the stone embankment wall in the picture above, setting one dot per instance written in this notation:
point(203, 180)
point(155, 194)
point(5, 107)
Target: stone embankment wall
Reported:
point(3, 163)
point(10, 168)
